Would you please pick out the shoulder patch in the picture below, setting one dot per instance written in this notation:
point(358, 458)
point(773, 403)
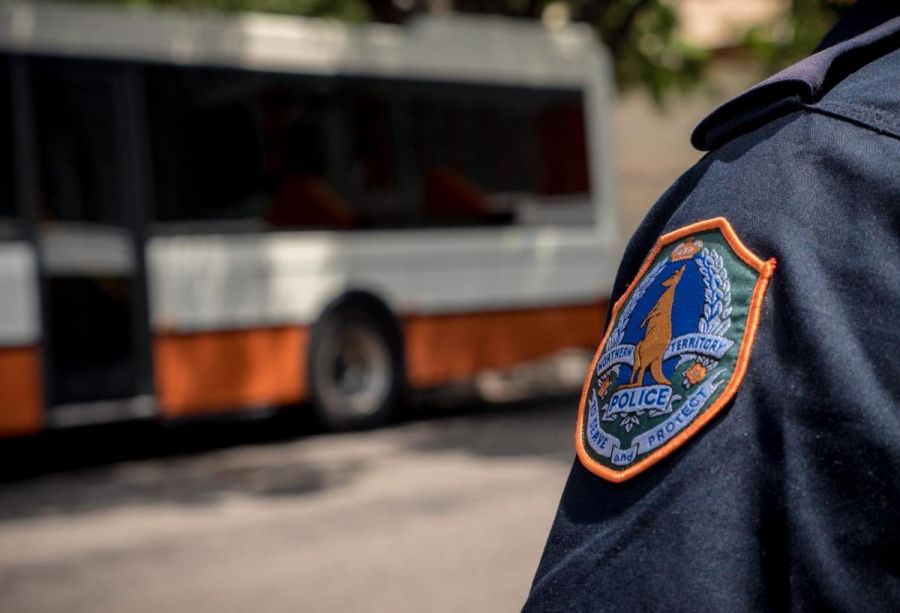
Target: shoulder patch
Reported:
point(675, 352)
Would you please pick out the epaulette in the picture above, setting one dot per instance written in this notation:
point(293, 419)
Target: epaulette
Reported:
point(801, 84)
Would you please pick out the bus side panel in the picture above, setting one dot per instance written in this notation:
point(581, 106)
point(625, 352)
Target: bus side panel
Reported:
point(445, 348)
point(207, 372)
point(20, 391)
point(21, 395)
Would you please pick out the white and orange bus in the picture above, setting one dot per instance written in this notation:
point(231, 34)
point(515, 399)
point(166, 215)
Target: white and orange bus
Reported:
point(208, 213)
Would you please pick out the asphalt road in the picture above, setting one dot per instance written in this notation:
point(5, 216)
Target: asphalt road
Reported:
point(447, 513)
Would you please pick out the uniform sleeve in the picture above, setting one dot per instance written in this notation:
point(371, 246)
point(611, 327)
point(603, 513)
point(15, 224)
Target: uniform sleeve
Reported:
point(789, 499)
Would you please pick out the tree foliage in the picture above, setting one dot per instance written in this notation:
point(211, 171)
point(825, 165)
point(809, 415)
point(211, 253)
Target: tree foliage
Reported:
point(780, 45)
point(643, 36)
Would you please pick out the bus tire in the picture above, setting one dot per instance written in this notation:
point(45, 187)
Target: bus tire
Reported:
point(355, 367)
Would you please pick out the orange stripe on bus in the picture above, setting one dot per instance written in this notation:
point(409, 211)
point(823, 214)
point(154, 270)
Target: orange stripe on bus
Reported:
point(445, 348)
point(215, 371)
point(20, 391)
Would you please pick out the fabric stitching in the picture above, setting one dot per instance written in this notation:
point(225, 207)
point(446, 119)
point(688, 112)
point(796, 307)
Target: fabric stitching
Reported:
point(879, 115)
point(876, 121)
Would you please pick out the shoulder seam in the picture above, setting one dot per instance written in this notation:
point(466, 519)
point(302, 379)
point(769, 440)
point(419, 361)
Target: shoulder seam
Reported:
point(862, 115)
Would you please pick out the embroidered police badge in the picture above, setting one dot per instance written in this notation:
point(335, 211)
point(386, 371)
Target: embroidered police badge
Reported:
point(675, 352)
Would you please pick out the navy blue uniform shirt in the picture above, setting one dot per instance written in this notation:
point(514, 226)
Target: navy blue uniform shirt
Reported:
point(789, 499)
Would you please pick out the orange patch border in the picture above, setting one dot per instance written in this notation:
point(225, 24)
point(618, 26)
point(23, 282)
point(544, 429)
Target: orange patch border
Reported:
point(765, 268)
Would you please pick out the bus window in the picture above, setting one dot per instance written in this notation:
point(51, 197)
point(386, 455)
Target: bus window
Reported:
point(444, 145)
point(7, 161)
point(371, 163)
point(79, 169)
point(560, 149)
point(272, 151)
point(254, 148)
point(493, 155)
point(205, 141)
point(372, 154)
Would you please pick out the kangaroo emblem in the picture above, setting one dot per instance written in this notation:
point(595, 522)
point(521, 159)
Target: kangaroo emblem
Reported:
point(657, 335)
point(700, 293)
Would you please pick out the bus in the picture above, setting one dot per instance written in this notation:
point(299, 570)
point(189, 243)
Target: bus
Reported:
point(203, 213)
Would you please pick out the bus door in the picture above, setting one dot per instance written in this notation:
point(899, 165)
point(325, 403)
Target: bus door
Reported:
point(88, 217)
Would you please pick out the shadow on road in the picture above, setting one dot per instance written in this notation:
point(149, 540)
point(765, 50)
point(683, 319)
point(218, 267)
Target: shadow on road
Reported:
point(81, 470)
point(71, 471)
point(540, 427)
point(79, 448)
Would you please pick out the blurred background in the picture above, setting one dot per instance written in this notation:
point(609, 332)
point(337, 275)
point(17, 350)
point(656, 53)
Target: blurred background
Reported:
point(296, 296)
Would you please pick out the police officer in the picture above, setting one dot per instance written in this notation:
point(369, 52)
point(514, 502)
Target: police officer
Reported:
point(738, 436)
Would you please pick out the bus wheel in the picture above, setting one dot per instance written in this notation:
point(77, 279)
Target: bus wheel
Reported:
point(355, 368)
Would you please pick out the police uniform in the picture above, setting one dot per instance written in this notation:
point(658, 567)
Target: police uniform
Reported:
point(739, 432)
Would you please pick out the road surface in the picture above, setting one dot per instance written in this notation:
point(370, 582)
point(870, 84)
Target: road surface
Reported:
point(441, 514)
